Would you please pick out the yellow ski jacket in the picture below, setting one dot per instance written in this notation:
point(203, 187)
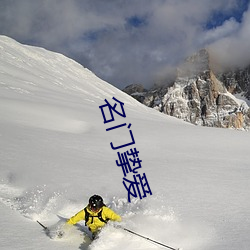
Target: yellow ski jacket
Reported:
point(94, 223)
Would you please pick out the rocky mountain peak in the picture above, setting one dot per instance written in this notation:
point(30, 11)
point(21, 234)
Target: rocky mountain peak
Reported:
point(196, 64)
point(200, 96)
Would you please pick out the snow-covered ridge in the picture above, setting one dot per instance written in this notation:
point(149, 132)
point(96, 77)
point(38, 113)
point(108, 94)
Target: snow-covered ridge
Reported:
point(33, 74)
point(34, 66)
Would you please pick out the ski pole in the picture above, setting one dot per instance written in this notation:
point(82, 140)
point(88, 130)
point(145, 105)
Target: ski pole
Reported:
point(45, 228)
point(159, 243)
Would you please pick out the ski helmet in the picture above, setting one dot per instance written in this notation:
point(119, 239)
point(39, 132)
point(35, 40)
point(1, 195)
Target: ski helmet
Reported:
point(96, 202)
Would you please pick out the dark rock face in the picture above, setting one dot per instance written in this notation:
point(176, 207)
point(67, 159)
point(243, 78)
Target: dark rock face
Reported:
point(137, 91)
point(237, 81)
point(199, 96)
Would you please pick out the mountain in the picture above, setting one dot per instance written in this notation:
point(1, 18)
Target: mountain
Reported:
point(237, 81)
point(55, 153)
point(202, 97)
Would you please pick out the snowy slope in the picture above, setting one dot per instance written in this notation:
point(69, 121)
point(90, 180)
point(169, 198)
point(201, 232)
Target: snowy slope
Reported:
point(55, 153)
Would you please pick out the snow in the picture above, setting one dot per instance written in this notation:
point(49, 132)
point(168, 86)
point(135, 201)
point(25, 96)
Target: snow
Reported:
point(55, 153)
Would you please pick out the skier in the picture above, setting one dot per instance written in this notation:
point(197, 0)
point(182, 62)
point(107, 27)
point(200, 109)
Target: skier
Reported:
point(95, 214)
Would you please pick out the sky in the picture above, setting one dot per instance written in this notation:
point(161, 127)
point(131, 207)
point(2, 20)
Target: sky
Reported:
point(132, 41)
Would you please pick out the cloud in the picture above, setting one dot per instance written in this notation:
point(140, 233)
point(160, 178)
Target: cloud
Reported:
point(228, 28)
point(233, 49)
point(125, 42)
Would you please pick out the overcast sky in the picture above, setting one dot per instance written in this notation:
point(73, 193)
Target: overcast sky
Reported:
point(131, 41)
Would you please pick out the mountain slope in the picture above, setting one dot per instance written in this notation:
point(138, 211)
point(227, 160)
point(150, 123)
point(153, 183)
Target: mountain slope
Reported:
point(55, 153)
